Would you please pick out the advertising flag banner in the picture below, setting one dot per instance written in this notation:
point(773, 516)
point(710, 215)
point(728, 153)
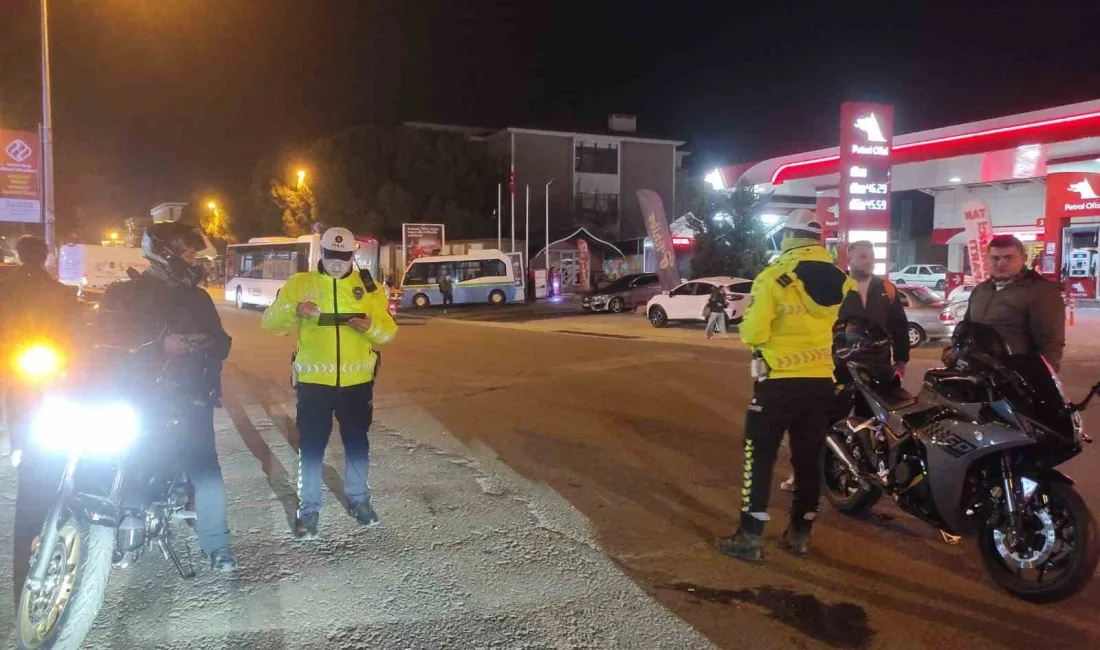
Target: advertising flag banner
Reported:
point(979, 231)
point(19, 199)
point(656, 224)
point(421, 239)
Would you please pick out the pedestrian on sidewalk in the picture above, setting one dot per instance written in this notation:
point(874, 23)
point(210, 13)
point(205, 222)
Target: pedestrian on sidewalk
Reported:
point(789, 328)
point(447, 287)
point(716, 311)
point(335, 367)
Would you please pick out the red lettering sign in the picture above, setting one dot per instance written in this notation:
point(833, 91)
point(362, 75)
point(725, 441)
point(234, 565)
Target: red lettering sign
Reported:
point(1072, 194)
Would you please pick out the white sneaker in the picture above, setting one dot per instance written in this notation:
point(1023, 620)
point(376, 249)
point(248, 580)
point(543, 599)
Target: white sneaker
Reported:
point(788, 485)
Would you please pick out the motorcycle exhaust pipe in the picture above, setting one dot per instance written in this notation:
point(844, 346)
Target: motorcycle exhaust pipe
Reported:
point(846, 461)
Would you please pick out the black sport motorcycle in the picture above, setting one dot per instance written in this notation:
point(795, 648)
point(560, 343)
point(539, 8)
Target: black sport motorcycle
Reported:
point(119, 494)
point(974, 454)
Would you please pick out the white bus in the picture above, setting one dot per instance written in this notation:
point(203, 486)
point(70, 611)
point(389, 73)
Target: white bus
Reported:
point(255, 272)
point(479, 277)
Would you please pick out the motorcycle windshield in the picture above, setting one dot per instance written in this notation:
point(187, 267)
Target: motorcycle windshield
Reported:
point(1025, 380)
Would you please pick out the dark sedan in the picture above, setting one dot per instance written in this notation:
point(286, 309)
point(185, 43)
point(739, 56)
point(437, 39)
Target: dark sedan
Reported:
point(626, 293)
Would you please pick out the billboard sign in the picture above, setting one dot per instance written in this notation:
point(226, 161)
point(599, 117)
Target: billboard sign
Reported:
point(19, 196)
point(656, 224)
point(866, 142)
point(422, 239)
point(979, 230)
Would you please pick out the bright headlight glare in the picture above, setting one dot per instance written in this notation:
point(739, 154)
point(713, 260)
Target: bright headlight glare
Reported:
point(63, 425)
point(38, 362)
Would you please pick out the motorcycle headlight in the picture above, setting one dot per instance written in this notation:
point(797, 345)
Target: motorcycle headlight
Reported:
point(66, 426)
point(38, 363)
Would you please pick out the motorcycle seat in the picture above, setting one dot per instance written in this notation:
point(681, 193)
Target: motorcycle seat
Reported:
point(897, 398)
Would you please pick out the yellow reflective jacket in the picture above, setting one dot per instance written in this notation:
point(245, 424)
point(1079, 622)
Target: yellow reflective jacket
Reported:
point(795, 301)
point(327, 354)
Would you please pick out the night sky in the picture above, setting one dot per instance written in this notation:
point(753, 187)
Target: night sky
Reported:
point(155, 99)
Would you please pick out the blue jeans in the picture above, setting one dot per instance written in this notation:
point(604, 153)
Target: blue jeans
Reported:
point(190, 448)
point(353, 407)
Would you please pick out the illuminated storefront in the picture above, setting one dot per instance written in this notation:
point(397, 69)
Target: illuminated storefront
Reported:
point(1037, 175)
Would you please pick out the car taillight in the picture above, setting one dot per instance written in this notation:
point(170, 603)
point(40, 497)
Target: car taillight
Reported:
point(948, 317)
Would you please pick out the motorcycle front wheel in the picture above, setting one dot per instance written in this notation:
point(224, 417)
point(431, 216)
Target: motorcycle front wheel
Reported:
point(60, 615)
point(840, 487)
point(1054, 555)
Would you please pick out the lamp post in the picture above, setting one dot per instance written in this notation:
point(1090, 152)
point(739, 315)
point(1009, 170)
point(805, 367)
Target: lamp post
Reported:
point(47, 135)
point(547, 251)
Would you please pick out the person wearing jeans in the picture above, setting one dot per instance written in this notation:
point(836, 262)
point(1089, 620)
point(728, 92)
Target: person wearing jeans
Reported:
point(354, 411)
point(716, 312)
point(339, 316)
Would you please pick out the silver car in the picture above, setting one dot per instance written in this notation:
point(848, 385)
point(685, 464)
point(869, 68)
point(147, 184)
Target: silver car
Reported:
point(930, 317)
point(624, 294)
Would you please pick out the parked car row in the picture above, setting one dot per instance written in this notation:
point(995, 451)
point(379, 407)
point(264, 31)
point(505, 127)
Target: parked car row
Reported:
point(931, 316)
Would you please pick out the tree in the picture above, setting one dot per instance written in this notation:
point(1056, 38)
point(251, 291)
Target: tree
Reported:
point(373, 179)
point(216, 222)
point(729, 238)
point(297, 207)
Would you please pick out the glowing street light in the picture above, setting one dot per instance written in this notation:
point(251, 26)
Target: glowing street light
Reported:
point(301, 177)
point(113, 235)
point(212, 205)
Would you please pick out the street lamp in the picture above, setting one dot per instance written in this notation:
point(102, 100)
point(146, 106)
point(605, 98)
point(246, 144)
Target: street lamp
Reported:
point(212, 205)
point(301, 178)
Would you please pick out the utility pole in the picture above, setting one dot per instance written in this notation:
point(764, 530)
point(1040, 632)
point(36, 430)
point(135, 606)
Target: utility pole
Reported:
point(47, 137)
point(547, 251)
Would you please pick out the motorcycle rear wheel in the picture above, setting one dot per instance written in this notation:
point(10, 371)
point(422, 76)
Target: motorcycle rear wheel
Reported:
point(1075, 551)
point(62, 618)
point(840, 487)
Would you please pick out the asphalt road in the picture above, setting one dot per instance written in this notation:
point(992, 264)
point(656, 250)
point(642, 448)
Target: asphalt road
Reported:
point(642, 438)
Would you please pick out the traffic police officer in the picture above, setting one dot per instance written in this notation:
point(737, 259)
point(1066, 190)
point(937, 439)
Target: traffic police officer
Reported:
point(789, 328)
point(339, 316)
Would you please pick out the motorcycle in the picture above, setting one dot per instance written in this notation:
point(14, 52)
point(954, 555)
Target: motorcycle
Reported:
point(112, 503)
point(973, 454)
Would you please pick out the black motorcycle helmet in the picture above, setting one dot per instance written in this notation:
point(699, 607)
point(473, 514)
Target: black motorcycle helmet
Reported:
point(165, 243)
point(856, 337)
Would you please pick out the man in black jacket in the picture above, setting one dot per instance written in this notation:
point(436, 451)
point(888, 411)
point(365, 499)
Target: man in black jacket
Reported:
point(32, 305)
point(165, 307)
point(875, 299)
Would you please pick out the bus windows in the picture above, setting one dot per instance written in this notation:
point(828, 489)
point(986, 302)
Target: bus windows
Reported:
point(416, 275)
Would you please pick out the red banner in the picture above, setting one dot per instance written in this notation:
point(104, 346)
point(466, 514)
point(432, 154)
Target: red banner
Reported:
point(979, 231)
point(19, 200)
point(656, 224)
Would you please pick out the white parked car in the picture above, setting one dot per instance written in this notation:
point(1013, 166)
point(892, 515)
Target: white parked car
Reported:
point(932, 276)
point(686, 302)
